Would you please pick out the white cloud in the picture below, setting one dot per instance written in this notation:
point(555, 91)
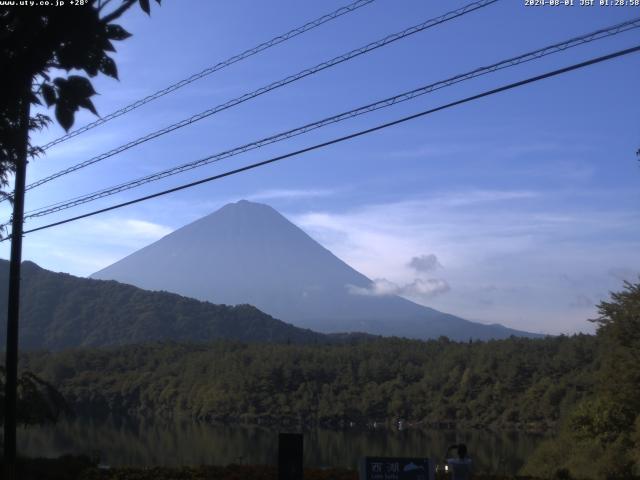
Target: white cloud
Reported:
point(67, 152)
point(288, 194)
point(121, 231)
point(474, 197)
point(88, 245)
point(432, 150)
point(426, 288)
point(380, 287)
point(419, 288)
point(138, 228)
point(424, 263)
point(519, 242)
point(488, 148)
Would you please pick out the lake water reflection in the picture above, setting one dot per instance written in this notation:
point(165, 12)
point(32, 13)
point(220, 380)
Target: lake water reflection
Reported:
point(144, 443)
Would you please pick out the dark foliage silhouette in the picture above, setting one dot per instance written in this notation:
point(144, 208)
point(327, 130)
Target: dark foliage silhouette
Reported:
point(35, 41)
point(38, 401)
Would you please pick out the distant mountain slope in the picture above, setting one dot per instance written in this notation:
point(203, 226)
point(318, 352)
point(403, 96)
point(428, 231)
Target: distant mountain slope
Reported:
point(61, 311)
point(249, 253)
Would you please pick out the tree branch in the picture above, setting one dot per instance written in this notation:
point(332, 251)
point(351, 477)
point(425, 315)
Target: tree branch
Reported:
point(117, 13)
point(102, 4)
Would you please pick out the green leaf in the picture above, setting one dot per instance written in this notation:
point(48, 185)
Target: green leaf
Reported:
point(116, 32)
point(49, 94)
point(144, 5)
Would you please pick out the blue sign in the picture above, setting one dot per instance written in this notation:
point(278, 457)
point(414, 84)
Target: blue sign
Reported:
point(396, 468)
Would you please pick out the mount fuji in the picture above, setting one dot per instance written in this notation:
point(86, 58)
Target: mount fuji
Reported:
point(248, 253)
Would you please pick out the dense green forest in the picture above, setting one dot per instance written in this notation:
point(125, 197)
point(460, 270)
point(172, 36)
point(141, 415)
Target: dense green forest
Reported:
point(585, 388)
point(515, 383)
point(62, 311)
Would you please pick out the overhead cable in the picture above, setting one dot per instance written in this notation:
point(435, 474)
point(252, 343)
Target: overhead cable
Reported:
point(214, 68)
point(360, 133)
point(387, 102)
point(272, 86)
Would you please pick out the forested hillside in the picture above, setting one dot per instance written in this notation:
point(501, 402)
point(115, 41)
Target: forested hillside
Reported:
point(62, 311)
point(515, 383)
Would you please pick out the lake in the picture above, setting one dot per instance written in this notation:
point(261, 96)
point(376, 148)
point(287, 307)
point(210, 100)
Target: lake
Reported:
point(144, 443)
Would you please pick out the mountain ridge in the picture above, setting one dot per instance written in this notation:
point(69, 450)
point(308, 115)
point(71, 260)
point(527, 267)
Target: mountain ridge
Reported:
point(61, 311)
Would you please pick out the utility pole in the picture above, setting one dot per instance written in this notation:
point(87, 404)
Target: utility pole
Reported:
point(13, 313)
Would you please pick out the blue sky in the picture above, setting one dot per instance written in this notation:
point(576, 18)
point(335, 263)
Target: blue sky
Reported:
point(528, 200)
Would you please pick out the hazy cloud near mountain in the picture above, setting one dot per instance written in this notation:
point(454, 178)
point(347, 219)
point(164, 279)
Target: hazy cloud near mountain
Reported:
point(424, 263)
point(419, 288)
point(91, 244)
point(288, 194)
point(537, 259)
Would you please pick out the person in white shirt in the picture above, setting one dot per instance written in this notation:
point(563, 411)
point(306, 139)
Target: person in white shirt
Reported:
point(460, 466)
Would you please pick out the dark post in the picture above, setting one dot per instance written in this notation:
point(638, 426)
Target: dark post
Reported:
point(290, 456)
point(13, 313)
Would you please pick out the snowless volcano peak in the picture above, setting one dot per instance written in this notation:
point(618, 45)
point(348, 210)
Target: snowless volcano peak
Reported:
point(248, 253)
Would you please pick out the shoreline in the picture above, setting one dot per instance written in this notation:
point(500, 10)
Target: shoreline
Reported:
point(84, 468)
point(338, 425)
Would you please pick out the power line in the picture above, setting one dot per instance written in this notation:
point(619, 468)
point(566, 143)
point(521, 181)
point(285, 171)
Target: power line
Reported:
point(533, 55)
point(212, 69)
point(347, 137)
point(272, 86)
